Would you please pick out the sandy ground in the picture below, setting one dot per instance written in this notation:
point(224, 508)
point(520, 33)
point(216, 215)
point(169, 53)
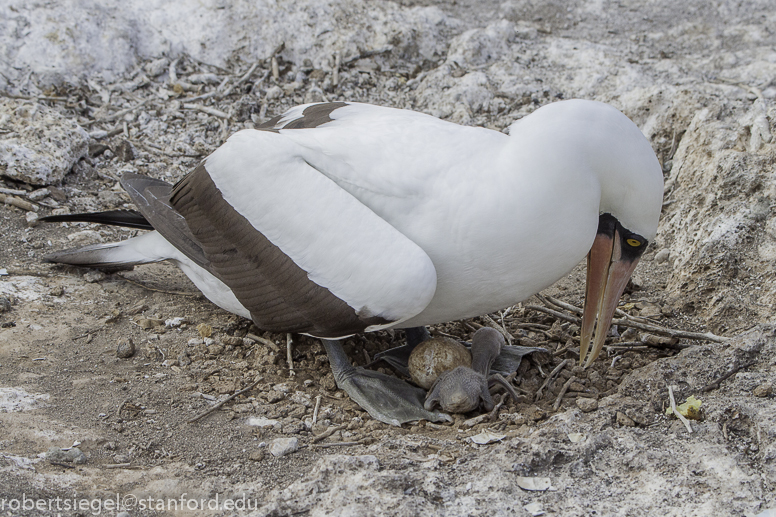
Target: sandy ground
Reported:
point(700, 80)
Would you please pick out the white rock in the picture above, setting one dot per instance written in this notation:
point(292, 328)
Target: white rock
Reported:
point(42, 145)
point(282, 446)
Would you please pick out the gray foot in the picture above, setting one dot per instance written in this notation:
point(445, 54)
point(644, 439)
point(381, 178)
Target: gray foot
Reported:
point(399, 356)
point(385, 398)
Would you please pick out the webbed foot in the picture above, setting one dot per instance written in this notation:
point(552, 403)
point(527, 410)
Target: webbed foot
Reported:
point(386, 398)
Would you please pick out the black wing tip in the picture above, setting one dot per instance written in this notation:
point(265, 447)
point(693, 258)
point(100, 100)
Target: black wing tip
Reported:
point(124, 218)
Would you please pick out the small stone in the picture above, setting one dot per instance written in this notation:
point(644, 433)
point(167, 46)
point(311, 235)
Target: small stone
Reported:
point(148, 323)
point(256, 456)
point(587, 405)
point(125, 152)
point(94, 276)
point(232, 340)
point(204, 330)
point(662, 256)
point(763, 390)
point(282, 446)
point(73, 455)
point(31, 218)
point(5, 304)
point(623, 419)
point(57, 291)
point(576, 386)
point(275, 92)
point(125, 348)
point(184, 359)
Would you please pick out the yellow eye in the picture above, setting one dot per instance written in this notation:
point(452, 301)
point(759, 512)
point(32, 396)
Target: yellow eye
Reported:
point(633, 242)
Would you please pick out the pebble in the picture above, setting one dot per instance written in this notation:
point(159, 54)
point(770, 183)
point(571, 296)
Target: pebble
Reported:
point(763, 390)
point(32, 219)
point(57, 291)
point(282, 446)
point(204, 330)
point(623, 419)
point(184, 359)
point(73, 455)
point(94, 276)
point(5, 304)
point(587, 405)
point(662, 256)
point(256, 456)
point(125, 348)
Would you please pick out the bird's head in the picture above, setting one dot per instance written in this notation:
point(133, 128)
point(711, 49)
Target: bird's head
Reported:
point(600, 165)
point(631, 181)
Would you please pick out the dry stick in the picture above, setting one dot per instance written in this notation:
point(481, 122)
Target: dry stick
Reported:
point(676, 412)
point(263, 341)
point(317, 407)
point(328, 433)
point(205, 109)
point(630, 321)
point(118, 114)
point(241, 80)
point(289, 356)
point(494, 411)
point(227, 399)
point(18, 203)
point(559, 315)
point(13, 192)
point(552, 375)
point(559, 303)
point(715, 384)
point(492, 323)
point(335, 73)
point(563, 391)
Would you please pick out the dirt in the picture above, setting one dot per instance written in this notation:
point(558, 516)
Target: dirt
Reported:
point(606, 446)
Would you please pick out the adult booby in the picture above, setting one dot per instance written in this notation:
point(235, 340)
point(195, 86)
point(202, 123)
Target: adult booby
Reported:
point(338, 218)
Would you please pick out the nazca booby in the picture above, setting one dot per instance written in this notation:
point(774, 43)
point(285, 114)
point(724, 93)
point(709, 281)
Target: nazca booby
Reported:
point(337, 218)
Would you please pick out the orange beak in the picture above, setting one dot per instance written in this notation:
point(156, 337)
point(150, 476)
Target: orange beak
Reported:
point(607, 275)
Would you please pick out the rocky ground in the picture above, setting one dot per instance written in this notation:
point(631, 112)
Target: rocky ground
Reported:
point(118, 365)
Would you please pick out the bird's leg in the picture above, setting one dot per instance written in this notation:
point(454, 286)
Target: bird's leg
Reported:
point(386, 398)
point(399, 356)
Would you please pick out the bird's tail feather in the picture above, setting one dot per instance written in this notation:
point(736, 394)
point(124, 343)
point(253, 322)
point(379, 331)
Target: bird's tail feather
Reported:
point(125, 218)
point(115, 255)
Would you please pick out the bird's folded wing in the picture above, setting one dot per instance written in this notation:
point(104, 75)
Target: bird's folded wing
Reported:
point(301, 253)
point(151, 197)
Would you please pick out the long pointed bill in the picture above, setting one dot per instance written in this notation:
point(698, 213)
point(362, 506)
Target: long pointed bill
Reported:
point(607, 275)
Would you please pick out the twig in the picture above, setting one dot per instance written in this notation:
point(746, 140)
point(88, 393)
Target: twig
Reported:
point(241, 80)
point(629, 321)
point(563, 391)
point(62, 464)
point(549, 300)
point(552, 375)
point(205, 109)
point(13, 192)
point(317, 407)
point(263, 341)
point(715, 384)
point(492, 323)
point(18, 203)
point(328, 433)
point(494, 411)
point(342, 444)
point(227, 399)
point(559, 315)
point(289, 355)
point(117, 114)
point(676, 412)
